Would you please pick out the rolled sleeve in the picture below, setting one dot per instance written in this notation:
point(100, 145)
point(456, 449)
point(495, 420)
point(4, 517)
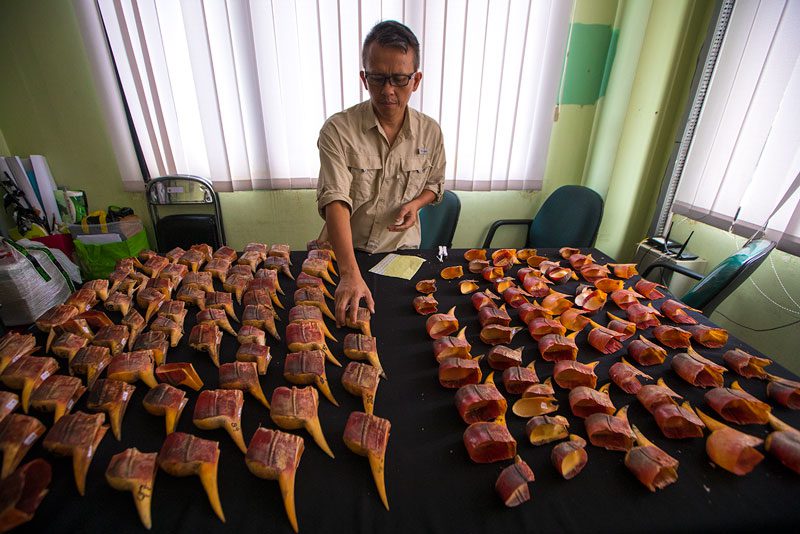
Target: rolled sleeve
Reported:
point(334, 175)
point(435, 182)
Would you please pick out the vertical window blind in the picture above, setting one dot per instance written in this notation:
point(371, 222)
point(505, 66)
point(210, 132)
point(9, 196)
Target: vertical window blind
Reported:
point(237, 91)
point(744, 160)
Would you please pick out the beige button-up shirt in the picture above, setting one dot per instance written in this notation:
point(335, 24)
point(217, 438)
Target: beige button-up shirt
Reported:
point(359, 168)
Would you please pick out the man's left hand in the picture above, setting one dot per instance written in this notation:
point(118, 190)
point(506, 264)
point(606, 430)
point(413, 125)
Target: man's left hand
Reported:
point(406, 217)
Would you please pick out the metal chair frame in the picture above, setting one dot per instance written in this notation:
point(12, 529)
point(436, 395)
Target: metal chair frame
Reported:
point(165, 191)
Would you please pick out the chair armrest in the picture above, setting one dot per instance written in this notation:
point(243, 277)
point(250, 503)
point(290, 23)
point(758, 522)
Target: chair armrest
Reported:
point(672, 267)
point(504, 222)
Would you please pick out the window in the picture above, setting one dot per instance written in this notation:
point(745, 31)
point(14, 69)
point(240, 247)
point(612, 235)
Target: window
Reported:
point(237, 91)
point(744, 159)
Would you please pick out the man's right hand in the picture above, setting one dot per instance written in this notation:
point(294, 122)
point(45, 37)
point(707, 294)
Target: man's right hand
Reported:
point(349, 292)
point(351, 288)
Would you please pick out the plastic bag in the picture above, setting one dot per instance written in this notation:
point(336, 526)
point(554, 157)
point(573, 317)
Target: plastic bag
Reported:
point(31, 282)
point(98, 261)
point(71, 205)
point(70, 268)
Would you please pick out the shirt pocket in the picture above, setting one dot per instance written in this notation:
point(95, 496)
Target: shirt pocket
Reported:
point(365, 169)
point(415, 171)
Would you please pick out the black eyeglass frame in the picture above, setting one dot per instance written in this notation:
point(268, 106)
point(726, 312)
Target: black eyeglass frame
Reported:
point(388, 77)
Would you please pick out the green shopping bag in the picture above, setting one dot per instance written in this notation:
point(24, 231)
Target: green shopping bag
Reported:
point(97, 261)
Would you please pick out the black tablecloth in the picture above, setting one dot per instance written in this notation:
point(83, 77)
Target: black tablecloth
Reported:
point(431, 483)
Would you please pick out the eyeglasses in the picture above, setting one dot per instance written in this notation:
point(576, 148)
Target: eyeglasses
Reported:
point(396, 80)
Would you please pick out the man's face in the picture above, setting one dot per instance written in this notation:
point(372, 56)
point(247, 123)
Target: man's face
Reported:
point(388, 100)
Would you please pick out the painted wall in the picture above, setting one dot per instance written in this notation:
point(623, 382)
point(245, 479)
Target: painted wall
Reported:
point(675, 32)
point(48, 103)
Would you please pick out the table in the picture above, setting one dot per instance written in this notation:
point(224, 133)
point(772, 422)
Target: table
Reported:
point(432, 485)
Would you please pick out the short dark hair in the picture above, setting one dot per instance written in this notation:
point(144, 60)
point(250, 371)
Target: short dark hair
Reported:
point(391, 33)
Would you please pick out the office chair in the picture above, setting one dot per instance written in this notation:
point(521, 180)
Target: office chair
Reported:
point(438, 223)
point(570, 217)
point(723, 279)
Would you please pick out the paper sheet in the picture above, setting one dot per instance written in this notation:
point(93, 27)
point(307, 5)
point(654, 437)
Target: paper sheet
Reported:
point(397, 266)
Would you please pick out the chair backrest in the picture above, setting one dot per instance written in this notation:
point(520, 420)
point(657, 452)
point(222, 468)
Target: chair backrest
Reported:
point(185, 230)
point(715, 287)
point(180, 230)
point(439, 222)
point(570, 217)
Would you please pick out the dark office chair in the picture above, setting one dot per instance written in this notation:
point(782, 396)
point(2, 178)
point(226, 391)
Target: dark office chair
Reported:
point(570, 217)
point(715, 287)
point(439, 222)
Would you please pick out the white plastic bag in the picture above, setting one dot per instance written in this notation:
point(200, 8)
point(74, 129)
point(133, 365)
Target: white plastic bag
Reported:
point(31, 282)
point(73, 270)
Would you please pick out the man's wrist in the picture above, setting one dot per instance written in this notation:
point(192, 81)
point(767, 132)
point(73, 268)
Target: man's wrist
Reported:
point(349, 272)
point(426, 197)
point(415, 204)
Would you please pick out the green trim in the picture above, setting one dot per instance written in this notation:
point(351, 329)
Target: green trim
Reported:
point(47, 252)
point(28, 256)
point(589, 60)
point(612, 52)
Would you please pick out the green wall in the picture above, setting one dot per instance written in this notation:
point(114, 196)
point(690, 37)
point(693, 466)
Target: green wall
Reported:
point(675, 32)
point(48, 102)
point(49, 105)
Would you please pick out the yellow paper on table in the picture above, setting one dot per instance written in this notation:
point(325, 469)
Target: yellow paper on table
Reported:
point(397, 266)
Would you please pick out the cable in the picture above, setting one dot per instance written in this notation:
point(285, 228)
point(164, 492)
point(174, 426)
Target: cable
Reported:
point(758, 329)
point(774, 270)
point(752, 281)
point(781, 306)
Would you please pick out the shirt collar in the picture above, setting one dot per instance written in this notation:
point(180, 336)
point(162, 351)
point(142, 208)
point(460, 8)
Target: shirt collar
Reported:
point(369, 121)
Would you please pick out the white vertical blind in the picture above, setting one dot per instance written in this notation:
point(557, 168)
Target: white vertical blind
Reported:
point(237, 90)
point(745, 154)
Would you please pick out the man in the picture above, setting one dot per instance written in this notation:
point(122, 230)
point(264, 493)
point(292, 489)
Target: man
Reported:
point(380, 162)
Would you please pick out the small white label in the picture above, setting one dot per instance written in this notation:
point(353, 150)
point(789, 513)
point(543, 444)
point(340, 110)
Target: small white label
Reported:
point(175, 189)
point(422, 150)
